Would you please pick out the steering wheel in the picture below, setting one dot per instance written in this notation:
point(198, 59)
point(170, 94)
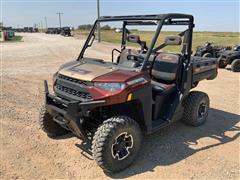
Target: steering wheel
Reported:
point(132, 57)
point(135, 57)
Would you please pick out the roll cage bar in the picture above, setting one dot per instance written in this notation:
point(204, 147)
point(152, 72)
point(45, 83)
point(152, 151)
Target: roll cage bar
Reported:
point(161, 19)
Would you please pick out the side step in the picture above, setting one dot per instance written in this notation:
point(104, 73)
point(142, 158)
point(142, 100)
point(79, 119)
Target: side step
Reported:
point(159, 124)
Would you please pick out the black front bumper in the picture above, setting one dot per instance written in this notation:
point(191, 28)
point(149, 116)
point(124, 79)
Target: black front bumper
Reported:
point(69, 114)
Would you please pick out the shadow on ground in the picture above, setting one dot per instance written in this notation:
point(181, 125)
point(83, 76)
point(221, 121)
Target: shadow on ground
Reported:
point(228, 68)
point(172, 144)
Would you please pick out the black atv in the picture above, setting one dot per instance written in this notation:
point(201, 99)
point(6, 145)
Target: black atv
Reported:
point(210, 50)
point(230, 57)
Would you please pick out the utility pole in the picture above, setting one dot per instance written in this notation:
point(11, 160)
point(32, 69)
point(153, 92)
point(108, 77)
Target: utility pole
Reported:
point(41, 26)
point(59, 16)
point(45, 18)
point(98, 25)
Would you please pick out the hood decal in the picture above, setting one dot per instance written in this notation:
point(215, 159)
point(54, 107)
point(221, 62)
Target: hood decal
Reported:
point(80, 71)
point(86, 71)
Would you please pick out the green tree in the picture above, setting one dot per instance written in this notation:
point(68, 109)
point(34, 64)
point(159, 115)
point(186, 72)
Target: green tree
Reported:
point(85, 27)
point(106, 27)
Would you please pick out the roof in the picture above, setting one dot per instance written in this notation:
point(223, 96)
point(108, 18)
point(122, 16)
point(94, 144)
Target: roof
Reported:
point(146, 17)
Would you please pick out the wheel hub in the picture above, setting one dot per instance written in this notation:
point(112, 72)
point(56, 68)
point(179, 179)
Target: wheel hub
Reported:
point(121, 146)
point(202, 111)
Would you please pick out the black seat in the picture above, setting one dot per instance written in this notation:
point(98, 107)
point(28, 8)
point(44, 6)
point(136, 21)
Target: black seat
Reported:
point(161, 88)
point(164, 73)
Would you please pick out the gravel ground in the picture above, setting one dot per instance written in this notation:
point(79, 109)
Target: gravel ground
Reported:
point(177, 152)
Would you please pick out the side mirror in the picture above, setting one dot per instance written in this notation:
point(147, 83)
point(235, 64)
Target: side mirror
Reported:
point(173, 40)
point(91, 41)
point(133, 38)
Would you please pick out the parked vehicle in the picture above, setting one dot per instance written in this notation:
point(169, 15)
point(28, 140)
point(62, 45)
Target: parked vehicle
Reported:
point(50, 31)
point(9, 28)
point(35, 30)
point(118, 30)
point(25, 29)
point(65, 31)
point(53, 31)
point(30, 29)
point(10, 34)
point(57, 30)
point(231, 57)
point(19, 30)
point(119, 102)
point(209, 50)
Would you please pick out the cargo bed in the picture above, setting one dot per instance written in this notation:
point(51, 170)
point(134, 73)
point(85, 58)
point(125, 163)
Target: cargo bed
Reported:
point(203, 68)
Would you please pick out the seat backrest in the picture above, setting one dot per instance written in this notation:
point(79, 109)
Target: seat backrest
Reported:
point(125, 53)
point(166, 67)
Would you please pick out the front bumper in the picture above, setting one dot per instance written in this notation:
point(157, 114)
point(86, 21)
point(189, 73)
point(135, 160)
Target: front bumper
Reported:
point(69, 114)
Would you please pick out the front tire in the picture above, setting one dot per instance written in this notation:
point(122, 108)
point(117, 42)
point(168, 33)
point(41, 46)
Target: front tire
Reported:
point(221, 63)
point(46, 123)
point(116, 143)
point(196, 108)
point(235, 66)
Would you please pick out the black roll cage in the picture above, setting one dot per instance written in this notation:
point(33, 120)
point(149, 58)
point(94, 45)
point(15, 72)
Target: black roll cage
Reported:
point(161, 19)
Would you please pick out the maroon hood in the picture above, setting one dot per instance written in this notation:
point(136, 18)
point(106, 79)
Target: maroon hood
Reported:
point(117, 76)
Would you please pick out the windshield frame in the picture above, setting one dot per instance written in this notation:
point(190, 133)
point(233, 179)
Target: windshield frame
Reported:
point(162, 19)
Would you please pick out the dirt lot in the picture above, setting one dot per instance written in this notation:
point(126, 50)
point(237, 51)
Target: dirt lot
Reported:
point(178, 152)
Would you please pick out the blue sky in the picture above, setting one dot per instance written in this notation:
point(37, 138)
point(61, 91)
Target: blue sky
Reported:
point(210, 15)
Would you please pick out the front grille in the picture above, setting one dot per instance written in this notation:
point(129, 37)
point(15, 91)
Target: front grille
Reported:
point(70, 91)
point(81, 82)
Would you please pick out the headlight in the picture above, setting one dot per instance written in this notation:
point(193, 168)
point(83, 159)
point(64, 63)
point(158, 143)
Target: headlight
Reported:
point(109, 87)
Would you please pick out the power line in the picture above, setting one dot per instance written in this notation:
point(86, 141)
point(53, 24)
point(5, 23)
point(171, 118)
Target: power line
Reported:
point(59, 16)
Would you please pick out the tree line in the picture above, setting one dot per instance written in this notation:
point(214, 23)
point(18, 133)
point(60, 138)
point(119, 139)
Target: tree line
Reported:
point(89, 26)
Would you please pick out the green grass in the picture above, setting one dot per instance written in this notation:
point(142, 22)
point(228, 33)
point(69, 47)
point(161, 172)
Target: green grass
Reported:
point(199, 38)
point(14, 39)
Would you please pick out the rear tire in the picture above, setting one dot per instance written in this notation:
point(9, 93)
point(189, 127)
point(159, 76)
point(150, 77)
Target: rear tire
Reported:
point(116, 143)
point(48, 125)
point(196, 108)
point(207, 55)
point(235, 66)
point(221, 64)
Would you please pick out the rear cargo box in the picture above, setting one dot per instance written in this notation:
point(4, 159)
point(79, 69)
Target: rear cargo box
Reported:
point(204, 68)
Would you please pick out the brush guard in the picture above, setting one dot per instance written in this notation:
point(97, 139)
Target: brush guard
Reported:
point(69, 114)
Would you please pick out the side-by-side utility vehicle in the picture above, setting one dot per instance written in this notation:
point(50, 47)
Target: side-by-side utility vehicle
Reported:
point(65, 31)
point(114, 104)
